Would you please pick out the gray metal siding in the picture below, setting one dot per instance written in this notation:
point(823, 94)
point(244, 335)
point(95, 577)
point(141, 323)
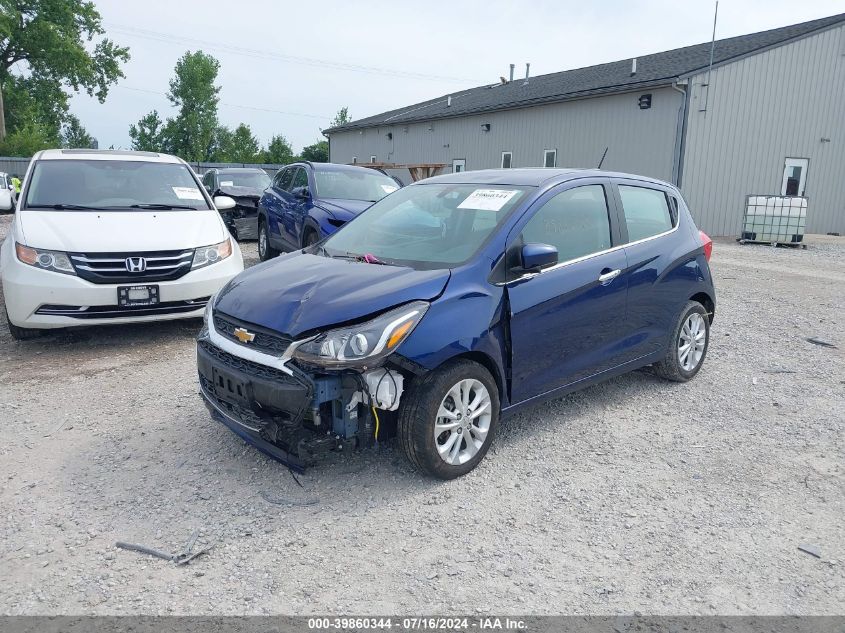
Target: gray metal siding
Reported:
point(763, 109)
point(639, 141)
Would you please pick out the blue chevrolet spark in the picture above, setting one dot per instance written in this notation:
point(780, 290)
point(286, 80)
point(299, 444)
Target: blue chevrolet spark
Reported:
point(450, 305)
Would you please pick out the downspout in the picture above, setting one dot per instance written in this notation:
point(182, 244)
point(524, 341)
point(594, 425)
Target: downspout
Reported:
point(680, 134)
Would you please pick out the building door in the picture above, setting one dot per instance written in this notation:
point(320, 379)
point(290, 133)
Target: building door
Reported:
point(794, 176)
point(459, 165)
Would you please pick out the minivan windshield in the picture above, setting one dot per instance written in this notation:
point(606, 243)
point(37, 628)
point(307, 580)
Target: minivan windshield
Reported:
point(251, 179)
point(427, 226)
point(102, 185)
point(353, 184)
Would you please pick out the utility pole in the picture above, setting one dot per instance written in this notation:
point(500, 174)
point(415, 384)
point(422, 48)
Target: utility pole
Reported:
point(2, 115)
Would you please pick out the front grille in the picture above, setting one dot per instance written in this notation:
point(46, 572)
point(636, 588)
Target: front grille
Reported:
point(265, 340)
point(247, 366)
point(117, 312)
point(244, 416)
point(111, 268)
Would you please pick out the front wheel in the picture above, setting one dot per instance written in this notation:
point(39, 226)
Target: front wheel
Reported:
point(448, 419)
point(688, 345)
point(21, 333)
point(265, 251)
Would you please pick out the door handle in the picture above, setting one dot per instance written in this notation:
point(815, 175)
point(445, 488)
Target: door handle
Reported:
point(608, 275)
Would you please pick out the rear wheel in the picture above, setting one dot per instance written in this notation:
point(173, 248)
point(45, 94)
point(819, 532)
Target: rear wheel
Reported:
point(688, 345)
point(448, 419)
point(265, 251)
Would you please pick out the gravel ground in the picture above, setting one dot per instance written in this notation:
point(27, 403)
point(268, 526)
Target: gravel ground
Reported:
point(637, 495)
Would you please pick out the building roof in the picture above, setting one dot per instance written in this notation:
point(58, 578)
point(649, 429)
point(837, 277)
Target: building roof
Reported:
point(652, 70)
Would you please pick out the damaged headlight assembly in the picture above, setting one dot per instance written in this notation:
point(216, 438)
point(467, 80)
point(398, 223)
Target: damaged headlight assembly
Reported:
point(365, 344)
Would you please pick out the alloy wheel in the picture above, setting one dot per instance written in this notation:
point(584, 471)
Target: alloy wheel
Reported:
point(262, 242)
point(692, 341)
point(463, 421)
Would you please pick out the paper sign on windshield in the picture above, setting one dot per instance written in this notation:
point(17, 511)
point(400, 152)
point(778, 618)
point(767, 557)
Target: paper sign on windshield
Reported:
point(227, 183)
point(187, 193)
point(488, 199)
point(389, 188)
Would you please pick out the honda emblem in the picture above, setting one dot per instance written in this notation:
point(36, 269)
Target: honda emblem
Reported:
point(136, 264)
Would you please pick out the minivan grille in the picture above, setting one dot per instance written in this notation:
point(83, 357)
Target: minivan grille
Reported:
point(112, 268)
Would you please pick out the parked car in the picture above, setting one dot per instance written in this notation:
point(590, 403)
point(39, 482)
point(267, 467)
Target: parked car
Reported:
point(8, 197)
point(308, 201)
point(112, 237)
point(244, 185)
point(453, 303)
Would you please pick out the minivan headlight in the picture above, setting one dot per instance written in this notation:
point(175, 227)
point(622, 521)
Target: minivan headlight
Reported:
point(207, 255)
point(45, 260)
point(363, 344)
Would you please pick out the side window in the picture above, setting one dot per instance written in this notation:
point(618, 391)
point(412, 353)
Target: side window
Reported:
point(283, 178)
point(647, 212)
point(575, 221)
point(300, 180)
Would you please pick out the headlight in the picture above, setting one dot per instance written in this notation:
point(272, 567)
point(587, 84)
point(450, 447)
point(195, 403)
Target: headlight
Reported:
point(46, 260)
point(207, 255)
point(364, 344)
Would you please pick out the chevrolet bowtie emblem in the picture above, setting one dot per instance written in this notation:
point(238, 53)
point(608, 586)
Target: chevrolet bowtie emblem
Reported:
point(244, 336)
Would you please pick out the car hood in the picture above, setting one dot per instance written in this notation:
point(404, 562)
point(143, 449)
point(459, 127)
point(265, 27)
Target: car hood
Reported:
point(300, 292)
point(343, 209)
point(120, 231)
point(242, 192)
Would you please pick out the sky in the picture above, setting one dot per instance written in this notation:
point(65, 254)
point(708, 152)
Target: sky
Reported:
point(287, 67)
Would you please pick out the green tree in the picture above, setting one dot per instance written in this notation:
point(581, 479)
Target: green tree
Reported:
point(27, 139)
point(50, 41)
point(192, 91)
point(279, 151)
point(318, 152)
point(341, 118)
point(147, 134)
point(242, 146)
point(74, 135)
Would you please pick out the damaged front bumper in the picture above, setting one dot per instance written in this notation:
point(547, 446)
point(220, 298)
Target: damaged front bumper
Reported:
point(290, 414)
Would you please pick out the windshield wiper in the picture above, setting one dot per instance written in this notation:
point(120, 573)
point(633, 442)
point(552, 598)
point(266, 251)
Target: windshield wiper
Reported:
point(66, 207)
point(162, 207)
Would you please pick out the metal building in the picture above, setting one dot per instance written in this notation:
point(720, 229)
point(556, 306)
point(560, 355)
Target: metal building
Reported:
point(767, 118)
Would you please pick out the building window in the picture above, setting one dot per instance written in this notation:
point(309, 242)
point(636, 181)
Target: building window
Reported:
point(354, 160)
point(372, 159)
point(507, 160)
point(459, 165)
point(549, 158)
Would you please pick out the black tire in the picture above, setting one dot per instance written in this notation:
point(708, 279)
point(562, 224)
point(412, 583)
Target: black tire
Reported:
point(265, 251)
point(418, 414)
point(310, 238)
point(670, 367)
point(21, 333)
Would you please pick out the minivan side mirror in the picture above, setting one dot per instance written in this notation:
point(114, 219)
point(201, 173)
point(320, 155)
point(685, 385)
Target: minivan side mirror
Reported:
point(538, 256)
point(302, 193)
point(223, 203)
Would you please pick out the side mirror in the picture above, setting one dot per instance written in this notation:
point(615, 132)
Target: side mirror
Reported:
point(538, 256)
point(223, 203)
point(302, 193)
point(7, 203)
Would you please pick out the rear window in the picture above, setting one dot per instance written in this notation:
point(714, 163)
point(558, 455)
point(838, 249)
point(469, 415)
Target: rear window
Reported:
point(110, 184)
point(647, 212)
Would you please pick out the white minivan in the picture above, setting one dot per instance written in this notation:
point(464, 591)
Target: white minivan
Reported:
point(103, 236)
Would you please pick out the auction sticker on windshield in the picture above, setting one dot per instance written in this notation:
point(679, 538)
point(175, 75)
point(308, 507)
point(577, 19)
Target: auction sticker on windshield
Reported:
point(488, 199)
point(187, 193)
point(388, 188)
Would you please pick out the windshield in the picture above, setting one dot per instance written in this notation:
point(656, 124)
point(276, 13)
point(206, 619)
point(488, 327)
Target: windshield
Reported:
point(112, 184)
point(251, 179)
point(427, 226)
point(357, 184)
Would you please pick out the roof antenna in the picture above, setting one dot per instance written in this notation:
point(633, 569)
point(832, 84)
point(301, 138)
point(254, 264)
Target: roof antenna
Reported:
point(601, 162)
point(710, 67)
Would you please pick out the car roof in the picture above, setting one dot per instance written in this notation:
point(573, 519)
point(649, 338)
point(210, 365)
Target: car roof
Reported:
point(238, 170)
point(531, 177)
point(335, 167)
point(105, 154)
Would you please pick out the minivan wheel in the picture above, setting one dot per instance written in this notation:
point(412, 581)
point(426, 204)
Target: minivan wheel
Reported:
point(688, 348)
point(21, 333)
point(448, 419)
point(265, 251)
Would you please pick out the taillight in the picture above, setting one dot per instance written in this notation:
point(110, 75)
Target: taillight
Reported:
point(707, 243)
